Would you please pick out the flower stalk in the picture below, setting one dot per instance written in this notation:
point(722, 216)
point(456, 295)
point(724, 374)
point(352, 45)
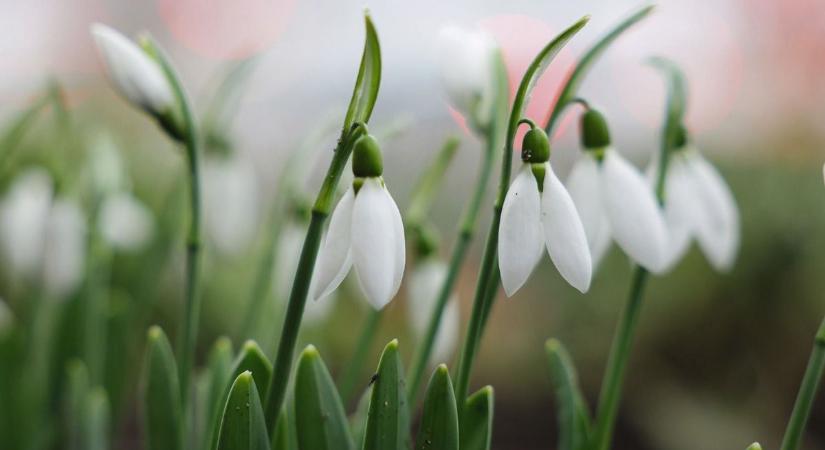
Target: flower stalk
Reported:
point(807, 393)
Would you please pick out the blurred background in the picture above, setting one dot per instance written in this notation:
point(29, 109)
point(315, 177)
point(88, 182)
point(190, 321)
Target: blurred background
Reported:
point(718, 357)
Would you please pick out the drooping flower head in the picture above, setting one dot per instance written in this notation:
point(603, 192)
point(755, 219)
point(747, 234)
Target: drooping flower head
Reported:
point(425, 283)
point(539, 213)
point(698, 205)
point(614, 200)
point(467, 60)
point(134, 74)
point(365, 232)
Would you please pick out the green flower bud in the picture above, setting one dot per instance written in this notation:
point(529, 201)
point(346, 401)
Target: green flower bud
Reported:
point(535, 148)
point(594, 131)
point(680, 139)
point(366, 158)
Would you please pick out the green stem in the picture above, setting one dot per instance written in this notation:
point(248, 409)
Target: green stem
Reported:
point(807, 392)
point(303, 276)
point(465, 237)
point(355, 363)
point(96, 297)
point(617, 362)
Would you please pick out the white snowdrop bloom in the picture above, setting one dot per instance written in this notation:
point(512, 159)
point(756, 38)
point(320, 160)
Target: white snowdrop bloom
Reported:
point(125, 222)
point(615, 201)
point(23, 218)
point(467, 61)
point(365, 232)
point(64, 253)
point(699, 205)
point(423, 289)
point(106, 165)
point(133, 73)
point(290, 243)
point(230, 191)
point(537, 213)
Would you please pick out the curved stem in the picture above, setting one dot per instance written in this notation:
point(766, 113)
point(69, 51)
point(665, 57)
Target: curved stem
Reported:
point(807, 392)
point(617, 362)
point(356, 363)
point(465, 236)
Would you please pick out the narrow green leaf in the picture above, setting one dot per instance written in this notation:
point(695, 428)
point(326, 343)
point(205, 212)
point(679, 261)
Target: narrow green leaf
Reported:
point(477, 421)
point(388, 417)
point(243, 426)
point(439, 423)
point(96, 420)
point(674, 116)
point(358, 420)
point(574, 417)
point(428, 185)
point(161, 395)
point(280, 437)
point(319, 413)
point(531, 76)
point(77, 389)
point(754, 446)
point(369, 79)
point(571, 86)
point(220, 372)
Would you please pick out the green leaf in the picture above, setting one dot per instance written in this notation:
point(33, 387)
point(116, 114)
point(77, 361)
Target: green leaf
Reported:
point(428, 185)
point(574, 418)
point(369, 79)
point(674, 116)
point(571, 86)
point(77, 389)
point(161, 395)
point(96, 420)
point(439, 423)
point(220, 372)
point(243, 426)
point(358, 420)
point(531, 76)
point(477, 421)
point(388, 417)
point(754, 446)
point(319, 413)
point(280, 437)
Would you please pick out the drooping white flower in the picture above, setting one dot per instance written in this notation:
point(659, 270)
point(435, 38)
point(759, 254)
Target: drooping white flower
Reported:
point(23, 219)
point(289, 245)
point(537, 213)
point(132, 72)
point(65, 249)
point(106, 166)
point(365, 232)
point(423, 289)
point(125, 222)
point(616, 203)
point(467, 61)
point(230, 190)
point(699, 205)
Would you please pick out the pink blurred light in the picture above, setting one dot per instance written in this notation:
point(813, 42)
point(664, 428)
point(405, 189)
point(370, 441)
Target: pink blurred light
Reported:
point(226, 29)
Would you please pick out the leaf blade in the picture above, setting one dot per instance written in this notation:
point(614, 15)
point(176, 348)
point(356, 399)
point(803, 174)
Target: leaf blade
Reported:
point(242, 425)
point(162, 409)
point(439, 423)
point(574, 418)
point(476, 429)
point(368, 81)
point(388, 417)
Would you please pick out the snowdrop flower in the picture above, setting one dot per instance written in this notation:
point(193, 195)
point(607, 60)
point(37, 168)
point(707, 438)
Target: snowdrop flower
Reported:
point(133, 72)
point(366, 232)
point(65, 249)
point(23, 219)
point(698, 205)
point(424, 286)
point(230, 192)
point(467, 60)
point(125, 222)
point(538, 212)
point(615, 201)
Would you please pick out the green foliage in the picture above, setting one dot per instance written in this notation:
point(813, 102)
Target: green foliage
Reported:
point(161, 395)
point(477, 421)
point(365, 92)
point(388, 418)
point(219, 377)
point(319, 414)
point(573, 415)
point(242, 425)
point(439, 423)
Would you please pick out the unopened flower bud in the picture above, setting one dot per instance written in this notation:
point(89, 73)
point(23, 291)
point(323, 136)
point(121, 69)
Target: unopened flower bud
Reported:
point(594, 131)
point(366, 158)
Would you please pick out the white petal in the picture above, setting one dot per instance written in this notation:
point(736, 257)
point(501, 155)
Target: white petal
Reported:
point(583, 184)
point(636, 220)
point(125, 222)
point(134, 74)
point(424, 286)
point(467, 70)
point(400, 242)
point(564, 233)
point(718, 231)
point(65, 249)
point(681, 210)
point(23, 221)
point(375, 242)
point(520, 235)
point(230, 191)
point(335, 257)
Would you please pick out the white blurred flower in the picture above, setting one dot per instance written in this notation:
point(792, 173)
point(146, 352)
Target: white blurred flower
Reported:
point(423, 289)
point(230, 202)
point(290, 242)
point(467, 60)
point(106, 165)
point(134, 74)
point(23, 218)
point(365, 231)
point(125, 222)
point(534, 219)
point(615, 202)
point(65, 249)
point(699, 205)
